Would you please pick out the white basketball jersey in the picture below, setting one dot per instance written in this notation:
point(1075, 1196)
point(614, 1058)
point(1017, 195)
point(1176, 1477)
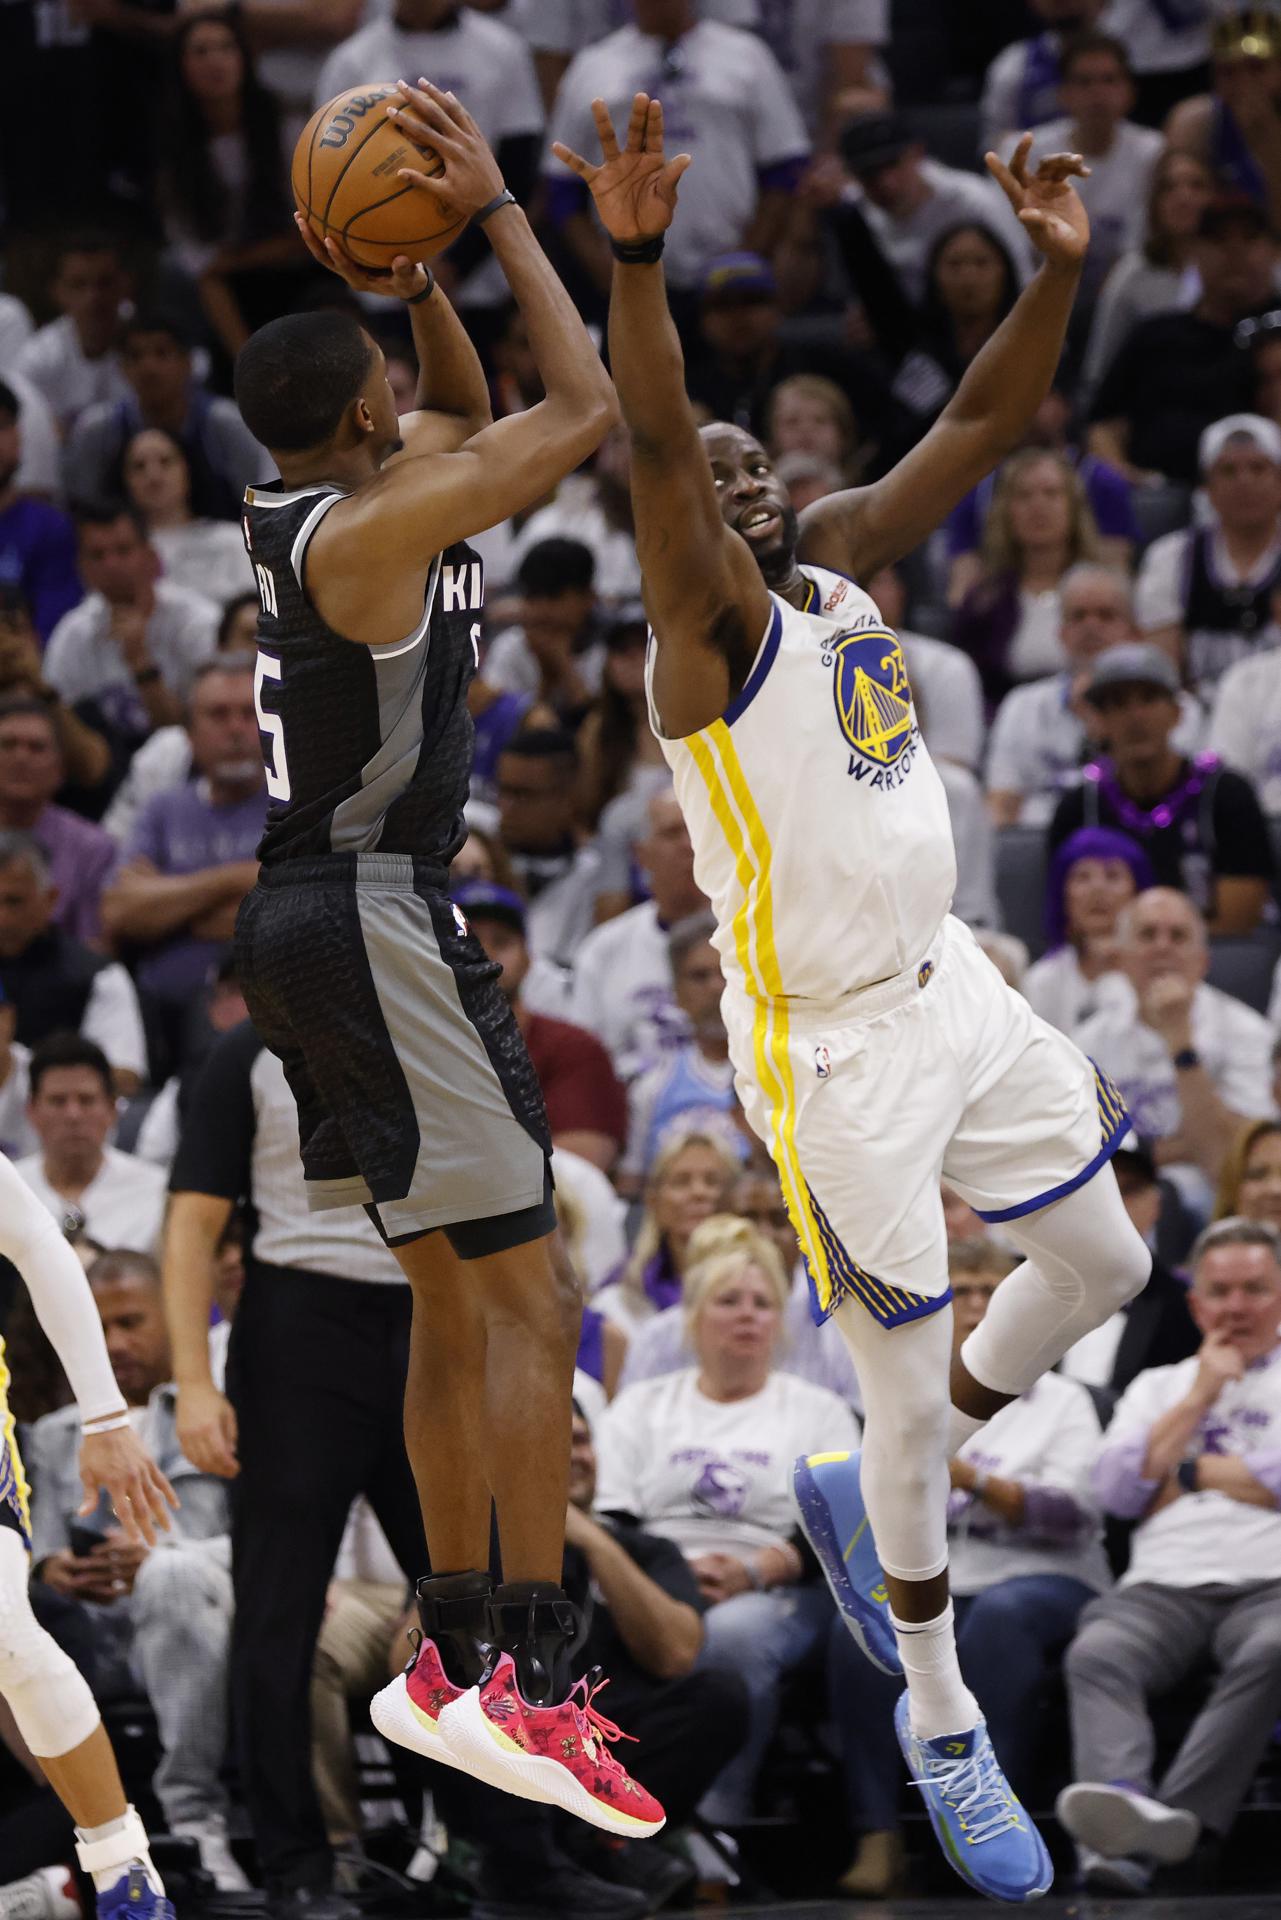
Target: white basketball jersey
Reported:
point(819, 823)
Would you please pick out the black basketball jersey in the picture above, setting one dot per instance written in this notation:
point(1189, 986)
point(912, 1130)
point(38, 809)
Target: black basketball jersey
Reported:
point(367, 749)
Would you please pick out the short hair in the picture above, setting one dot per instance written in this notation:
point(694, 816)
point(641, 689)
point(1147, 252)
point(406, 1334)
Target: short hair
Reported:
point(223, 663)
point(1081, 45)
point(556, 566)
point(87, 243)
point(541, 743)
point(9, 402)
point(297, 377)
point(105, 513)
point(27, 706)
point(124, 1263)
point(693, 931)
point(982, 1253)
point(158, 320)
point(24, 850)
point(69, 1050)
point(1235, 1231)
point(230, 613)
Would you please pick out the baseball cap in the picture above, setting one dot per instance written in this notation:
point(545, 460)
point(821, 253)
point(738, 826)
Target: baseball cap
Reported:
point(1261, 433)
point(1232, 209)
point(738, 276)
point(1134, 664)
point(871, 141)
point(486, 900)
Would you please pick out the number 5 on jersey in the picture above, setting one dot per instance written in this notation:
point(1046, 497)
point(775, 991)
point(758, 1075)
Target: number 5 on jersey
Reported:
point(270, 725)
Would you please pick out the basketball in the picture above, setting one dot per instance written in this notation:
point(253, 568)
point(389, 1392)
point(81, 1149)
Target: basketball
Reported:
point(345, 182)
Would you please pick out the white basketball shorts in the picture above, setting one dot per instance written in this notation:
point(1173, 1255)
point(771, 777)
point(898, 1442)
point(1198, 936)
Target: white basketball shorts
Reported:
point(942, 1073)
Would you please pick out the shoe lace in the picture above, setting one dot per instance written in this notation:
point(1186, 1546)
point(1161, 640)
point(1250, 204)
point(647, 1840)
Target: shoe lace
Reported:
point(594, 1729)
point(977, 1793)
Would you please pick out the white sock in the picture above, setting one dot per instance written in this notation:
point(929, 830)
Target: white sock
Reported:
point(962, 1427)
point(940, 1702)
point(106, 1853)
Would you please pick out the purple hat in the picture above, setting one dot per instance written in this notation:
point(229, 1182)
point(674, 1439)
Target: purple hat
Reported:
point(1089, 843)
point(486, 900)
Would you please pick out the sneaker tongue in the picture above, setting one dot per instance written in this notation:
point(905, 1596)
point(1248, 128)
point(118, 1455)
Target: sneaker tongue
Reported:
point(953, 1746)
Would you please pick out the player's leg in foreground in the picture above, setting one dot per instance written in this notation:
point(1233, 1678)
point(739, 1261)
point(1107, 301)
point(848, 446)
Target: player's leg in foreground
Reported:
point(488, 1411)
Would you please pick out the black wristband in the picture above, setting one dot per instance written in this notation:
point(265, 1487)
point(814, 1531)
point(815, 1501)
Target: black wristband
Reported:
point(639, 253)
point(1186, 1474)
point(504, 199)
point(425, 293)
point(146, 676)
point(1186, 1059)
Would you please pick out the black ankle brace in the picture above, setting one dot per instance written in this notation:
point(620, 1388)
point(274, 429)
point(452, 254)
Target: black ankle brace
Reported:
point(535, 1623)
point(452, 1611)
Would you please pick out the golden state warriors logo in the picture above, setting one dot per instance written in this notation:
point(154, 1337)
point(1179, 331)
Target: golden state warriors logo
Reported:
point(874, 704)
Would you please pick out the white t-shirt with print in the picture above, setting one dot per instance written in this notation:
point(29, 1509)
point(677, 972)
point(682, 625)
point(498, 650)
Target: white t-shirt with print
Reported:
point(123, 1205)
point(1116, 192)
point(1233, 1041)
point(714, 1476)
point(1055, 987)
point(623, 990)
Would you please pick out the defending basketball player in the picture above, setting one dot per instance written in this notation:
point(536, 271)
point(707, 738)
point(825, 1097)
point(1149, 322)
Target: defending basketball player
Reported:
point(876, 1048)
point(416, 1097)
point(48, 1697)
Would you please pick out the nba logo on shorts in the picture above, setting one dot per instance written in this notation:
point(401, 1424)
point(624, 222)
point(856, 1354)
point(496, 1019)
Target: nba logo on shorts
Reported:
point(822, 1063)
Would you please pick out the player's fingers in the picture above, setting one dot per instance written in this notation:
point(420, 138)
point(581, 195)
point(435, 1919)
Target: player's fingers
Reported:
point(638, 122)
point(131, 1510)
point(669, 178)
point(574, 161)
point(160, 1495)
point(450, 105)
point(1062, 166)
point(654, 127)
point(309, 239)
point(603, 121)
point(433, 183)
point(1004, 178)
point(1019, 158)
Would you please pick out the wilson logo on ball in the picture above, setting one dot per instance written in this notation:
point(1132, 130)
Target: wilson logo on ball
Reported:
point(344, 124)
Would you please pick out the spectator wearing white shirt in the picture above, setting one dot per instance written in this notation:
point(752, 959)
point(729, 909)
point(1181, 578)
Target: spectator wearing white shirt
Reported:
point(552, 653)
point(1094, 875)
point(490, 68)
point(292, 39)
point(1169, 46)
point(1245, 720)
point(1025, 1556)
point(74, 361)
point(1193, 1455)
point(16, 328)
point(725, 101)
point(622, 988)
point(1042, 732)
point(1096, 94)
point(1191, 1063)
point(40, 469)
point(704, 1458)
point(53, 982)
point(1205, 592)
point(206, 556)
point(118, 1199)
point(946, 688)
point(594, 506)
point(133, 644)
point(913, 201)
point(1021, 87)
point(828, 50)
point(17, 1136)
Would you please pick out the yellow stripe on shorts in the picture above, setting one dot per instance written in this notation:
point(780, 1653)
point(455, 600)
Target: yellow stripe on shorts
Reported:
point(14, 1491)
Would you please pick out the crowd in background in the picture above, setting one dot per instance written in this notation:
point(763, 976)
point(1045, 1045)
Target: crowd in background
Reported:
point(1094, 646)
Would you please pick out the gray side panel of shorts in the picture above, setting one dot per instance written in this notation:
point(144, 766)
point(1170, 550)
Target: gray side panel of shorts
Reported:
point(475, 1159)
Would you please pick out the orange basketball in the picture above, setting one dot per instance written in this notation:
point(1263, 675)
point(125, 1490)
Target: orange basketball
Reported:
point(345, 181)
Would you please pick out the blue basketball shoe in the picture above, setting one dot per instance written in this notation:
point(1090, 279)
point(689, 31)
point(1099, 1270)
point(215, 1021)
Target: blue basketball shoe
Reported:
point(982, 1828)
point(133, 1898)
point(829, 1502)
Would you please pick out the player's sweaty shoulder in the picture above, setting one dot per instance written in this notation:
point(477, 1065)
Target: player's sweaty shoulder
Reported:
point(364, 578)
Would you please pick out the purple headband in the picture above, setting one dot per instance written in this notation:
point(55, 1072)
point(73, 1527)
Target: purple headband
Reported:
point(1088, 843)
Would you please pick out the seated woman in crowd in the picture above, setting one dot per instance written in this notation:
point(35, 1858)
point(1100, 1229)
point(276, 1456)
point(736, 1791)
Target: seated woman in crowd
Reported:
point(1150, 279)
point(208, 556)
point(689, 1181)
point(1039, 526)
point(1026, 1555)
point(1250, 1184)
point(705, 1458)
point(1093, 875)
point(223, 181)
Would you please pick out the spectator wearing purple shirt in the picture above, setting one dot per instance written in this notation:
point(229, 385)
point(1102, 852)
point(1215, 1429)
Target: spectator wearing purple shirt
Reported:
point(1107, 490)
point(1193, 1457)
point(37, 543)
point(192, 855)
point(80, 855)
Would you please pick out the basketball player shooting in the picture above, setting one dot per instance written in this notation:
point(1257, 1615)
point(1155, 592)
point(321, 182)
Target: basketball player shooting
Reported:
point(416, 1097)
point(45, 1692)
point(877, 1050)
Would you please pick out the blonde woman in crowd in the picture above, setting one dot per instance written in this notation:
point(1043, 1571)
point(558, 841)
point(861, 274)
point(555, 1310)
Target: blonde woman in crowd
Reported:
point(690, 1180)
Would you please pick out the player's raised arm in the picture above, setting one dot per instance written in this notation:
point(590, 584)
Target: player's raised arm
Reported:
point(703, 591)
point(866, 528)
point(509, 464)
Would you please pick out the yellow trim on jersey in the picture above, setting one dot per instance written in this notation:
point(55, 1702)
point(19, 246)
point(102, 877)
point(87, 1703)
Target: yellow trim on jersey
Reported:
point(716, 758)
point(10, 1458)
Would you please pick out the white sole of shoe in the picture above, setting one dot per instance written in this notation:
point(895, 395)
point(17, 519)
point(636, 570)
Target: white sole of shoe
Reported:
point(397, 1719)
point(1117, 1826)
point(481, 1749)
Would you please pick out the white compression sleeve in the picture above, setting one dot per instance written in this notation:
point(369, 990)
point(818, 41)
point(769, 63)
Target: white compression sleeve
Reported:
point(59, 1293)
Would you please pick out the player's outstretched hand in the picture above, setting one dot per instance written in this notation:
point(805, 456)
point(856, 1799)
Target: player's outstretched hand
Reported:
point(634, 187)
point(437, 121)
point(138, 1490)
point(404, 278)
point(1047, 204)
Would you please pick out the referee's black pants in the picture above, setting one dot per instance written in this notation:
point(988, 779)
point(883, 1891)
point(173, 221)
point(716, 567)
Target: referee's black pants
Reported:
point(316, 1374)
